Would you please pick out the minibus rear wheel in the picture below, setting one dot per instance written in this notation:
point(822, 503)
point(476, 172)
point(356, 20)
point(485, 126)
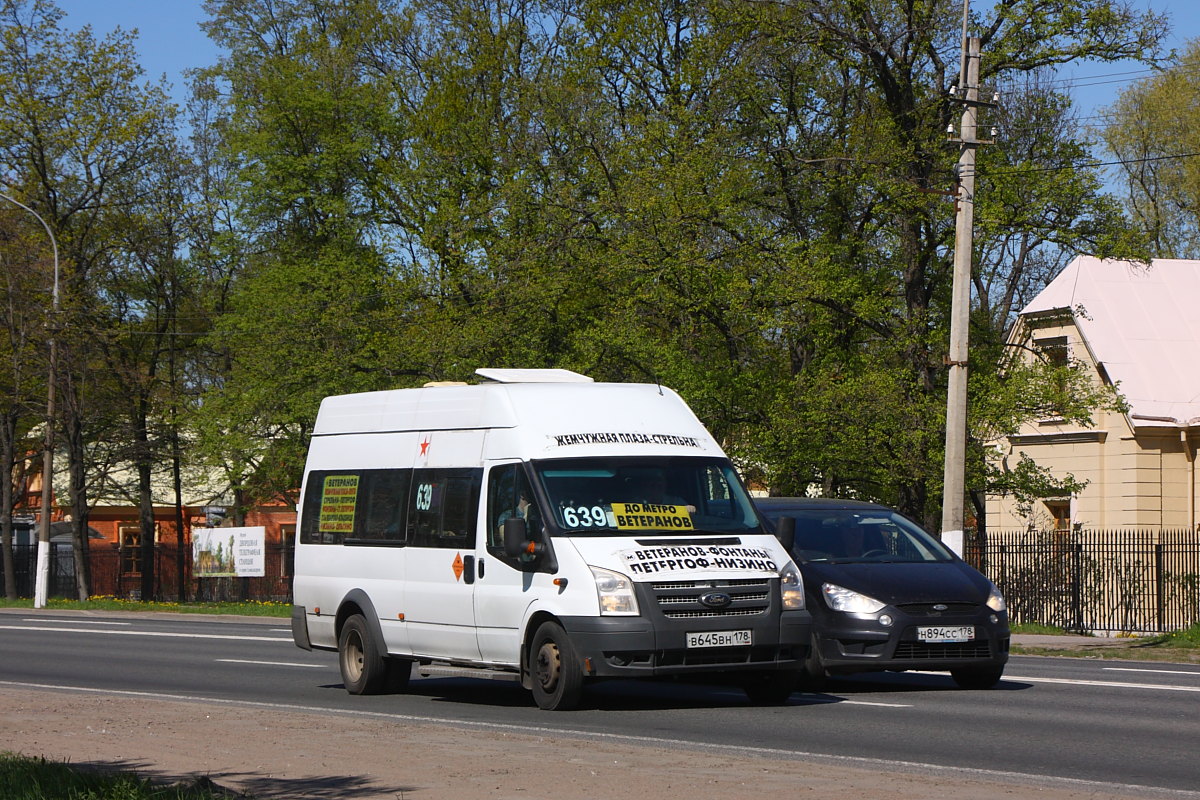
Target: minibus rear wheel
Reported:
point(557, 675)
point(364, 670)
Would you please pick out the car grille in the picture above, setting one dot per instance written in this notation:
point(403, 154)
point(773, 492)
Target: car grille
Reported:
point(918, 651)
point(928, 610)
point(681, 599)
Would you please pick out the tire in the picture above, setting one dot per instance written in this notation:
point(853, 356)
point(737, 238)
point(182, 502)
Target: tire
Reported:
point(770, 688)
point(364, 669)
point(977, 677)
point(556, 675)
point(813, 676)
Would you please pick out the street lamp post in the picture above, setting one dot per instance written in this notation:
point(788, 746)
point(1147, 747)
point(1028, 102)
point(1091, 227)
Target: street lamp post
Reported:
point(43, 554)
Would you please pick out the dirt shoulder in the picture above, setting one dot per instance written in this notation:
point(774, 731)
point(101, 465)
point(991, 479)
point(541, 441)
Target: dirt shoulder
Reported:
point(304, 756)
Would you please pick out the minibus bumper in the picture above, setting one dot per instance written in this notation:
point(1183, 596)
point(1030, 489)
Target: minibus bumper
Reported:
point(636, 646)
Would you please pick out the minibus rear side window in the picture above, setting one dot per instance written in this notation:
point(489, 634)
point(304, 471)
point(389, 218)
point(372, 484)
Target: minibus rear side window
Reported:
point(356, 507)
point(330, 507)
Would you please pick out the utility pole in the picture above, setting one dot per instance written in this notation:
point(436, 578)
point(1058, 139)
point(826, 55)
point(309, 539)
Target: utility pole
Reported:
point(954, 478)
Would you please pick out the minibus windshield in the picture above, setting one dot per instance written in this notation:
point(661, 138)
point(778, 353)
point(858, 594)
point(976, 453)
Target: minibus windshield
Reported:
point(661, 495)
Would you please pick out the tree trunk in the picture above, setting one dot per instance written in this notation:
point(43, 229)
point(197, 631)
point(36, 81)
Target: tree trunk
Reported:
point(77, 473)
point(8, 453)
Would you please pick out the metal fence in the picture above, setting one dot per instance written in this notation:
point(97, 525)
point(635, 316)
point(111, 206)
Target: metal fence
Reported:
point(1119, 580)
point(111, 575)
point(1123, 580)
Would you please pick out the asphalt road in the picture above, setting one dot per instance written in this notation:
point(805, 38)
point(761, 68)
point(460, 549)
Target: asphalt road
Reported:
point(1121, 723)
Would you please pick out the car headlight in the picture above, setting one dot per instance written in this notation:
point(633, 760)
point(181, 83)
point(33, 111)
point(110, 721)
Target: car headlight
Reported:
point(791, 587)
point(842, 599)
point(995, 599)
point(615, 592)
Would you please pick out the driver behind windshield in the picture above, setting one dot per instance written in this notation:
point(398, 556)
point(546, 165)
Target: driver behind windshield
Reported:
point(649, 486)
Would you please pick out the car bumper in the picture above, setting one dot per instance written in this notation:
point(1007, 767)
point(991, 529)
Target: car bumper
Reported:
point(854, 645)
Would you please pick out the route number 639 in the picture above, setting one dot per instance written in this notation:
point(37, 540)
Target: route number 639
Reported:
point(585, 517)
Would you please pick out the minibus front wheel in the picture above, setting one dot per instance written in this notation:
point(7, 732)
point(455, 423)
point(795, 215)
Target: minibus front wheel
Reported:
point(557, 673)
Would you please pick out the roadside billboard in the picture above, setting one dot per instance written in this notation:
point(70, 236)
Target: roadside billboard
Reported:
point(229, 552)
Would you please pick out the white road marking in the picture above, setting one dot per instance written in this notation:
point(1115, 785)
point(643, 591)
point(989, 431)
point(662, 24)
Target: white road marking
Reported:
point(75, 621)
point(838, 701)
point(1143, 669)
point(149, 633)
point(1030, 779)
point(1109, 684)
point(271, 663)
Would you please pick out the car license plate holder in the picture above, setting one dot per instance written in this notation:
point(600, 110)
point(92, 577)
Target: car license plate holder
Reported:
point(945, 634)
point(720, 639)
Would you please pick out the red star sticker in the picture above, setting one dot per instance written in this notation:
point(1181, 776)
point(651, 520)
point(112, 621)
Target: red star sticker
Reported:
point(425, 447)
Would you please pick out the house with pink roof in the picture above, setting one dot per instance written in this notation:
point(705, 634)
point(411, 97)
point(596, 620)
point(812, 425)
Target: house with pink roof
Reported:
point(1137, 327)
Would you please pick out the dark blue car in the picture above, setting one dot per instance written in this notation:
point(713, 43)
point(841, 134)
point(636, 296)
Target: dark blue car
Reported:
point(885, 595)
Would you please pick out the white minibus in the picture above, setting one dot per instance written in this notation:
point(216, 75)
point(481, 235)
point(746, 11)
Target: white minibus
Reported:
point(541, 527)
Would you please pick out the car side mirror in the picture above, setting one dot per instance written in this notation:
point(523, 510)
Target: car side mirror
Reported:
point(785, 532)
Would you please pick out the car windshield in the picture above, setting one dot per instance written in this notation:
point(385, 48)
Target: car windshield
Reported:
point(856, 535)
point(663, 495)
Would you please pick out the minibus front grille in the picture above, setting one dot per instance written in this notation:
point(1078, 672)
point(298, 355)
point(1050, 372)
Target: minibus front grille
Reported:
point(682, 599)
point(736, 612)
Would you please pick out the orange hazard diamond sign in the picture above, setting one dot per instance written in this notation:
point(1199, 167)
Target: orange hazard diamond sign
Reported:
point(457, 566)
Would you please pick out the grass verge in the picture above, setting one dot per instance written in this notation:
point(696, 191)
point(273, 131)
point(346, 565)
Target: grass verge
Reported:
point(251, 608)
point(1180, 647)
point(26, 778)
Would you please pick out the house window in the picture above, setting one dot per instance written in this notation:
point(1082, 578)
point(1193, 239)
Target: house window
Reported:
point(1056, 353)
point(1055, 350)
point(1060, 511)
point(130, 537)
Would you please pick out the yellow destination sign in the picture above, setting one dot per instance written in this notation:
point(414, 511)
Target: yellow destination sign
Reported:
point(651, 517)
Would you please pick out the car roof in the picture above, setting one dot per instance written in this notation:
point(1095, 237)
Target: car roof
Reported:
point(814, 504)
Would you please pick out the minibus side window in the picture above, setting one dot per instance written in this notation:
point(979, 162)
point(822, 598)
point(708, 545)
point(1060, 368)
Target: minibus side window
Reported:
point(330, 506)
point(442, 508)
point(386, 499)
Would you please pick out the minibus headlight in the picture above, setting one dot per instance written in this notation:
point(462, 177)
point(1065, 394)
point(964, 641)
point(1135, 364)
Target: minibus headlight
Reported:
point(615, 592)
point(791, 587)
point(995, 599)
point(840, 598)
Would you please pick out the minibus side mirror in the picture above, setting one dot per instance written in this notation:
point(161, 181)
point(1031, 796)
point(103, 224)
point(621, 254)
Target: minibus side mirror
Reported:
point(785, 532)
point(516, 537)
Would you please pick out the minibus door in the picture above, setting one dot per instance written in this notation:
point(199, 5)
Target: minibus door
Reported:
point(504, 586)
point(440, 563)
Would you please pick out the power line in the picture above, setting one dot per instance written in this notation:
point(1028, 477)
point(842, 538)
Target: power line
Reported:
point(1094, 165)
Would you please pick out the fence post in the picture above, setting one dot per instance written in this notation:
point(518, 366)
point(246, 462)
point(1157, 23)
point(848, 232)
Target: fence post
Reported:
point(1076, 586)
point(1160, 598)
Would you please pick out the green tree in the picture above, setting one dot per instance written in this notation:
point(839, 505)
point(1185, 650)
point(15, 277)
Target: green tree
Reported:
point(1152, 132)
point(743, 200)
point(82, 137)
point(26, 273)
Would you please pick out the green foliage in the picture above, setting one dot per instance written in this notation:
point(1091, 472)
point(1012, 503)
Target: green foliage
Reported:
point(1153, 134)
point(745, 201)
point(738, 200)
